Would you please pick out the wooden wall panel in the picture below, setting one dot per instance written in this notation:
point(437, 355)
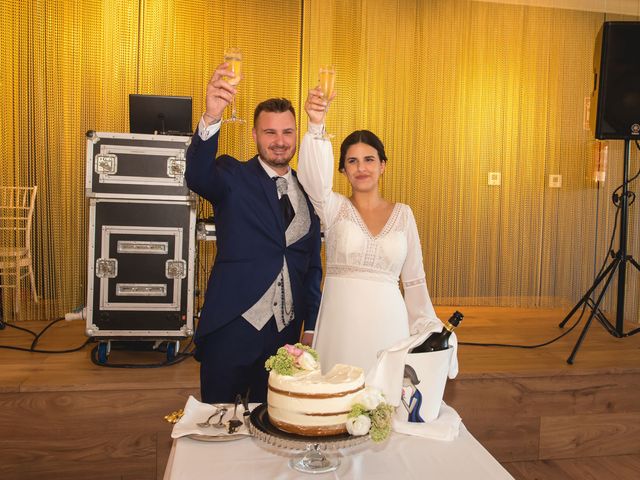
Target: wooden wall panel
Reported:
point(506, 438)
point(590, 435)
point(94, 455)
point(80, 435)
point(523, 418)
point(621, 467)
point(540, 396)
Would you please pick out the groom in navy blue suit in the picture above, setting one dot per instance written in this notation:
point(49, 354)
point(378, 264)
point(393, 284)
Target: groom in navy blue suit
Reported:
point(265, 283)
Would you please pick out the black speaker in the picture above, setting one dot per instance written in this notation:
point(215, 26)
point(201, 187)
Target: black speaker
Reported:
point(615, 104)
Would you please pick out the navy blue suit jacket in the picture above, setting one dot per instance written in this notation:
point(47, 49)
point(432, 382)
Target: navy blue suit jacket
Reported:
point(250, 238)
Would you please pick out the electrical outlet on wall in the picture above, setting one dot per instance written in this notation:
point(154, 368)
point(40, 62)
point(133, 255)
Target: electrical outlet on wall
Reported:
point(555, 181)
point(495, 178)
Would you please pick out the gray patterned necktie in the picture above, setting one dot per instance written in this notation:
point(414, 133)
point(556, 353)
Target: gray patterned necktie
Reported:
point(285, 203)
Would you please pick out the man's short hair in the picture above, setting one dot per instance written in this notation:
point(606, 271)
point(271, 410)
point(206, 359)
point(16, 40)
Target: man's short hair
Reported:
point(275, 105)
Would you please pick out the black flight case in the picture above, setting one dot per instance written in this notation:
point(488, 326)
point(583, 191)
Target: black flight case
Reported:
point(142, 230)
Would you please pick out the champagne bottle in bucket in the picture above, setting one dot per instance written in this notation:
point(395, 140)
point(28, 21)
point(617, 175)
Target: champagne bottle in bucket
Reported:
point(425, 375)
point(440, 340)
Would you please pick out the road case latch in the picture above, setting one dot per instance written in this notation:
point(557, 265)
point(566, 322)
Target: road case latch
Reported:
point(175, 269)
point(106, 164)
point(106, 268)
point(176, 167)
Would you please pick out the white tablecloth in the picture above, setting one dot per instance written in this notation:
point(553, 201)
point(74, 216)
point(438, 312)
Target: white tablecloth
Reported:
point(401, 457)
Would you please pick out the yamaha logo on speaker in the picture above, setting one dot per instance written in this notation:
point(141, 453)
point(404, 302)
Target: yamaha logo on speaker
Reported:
point(635, 129)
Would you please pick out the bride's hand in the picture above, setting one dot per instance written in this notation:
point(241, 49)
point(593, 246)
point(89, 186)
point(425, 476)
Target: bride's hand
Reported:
point(316, 106)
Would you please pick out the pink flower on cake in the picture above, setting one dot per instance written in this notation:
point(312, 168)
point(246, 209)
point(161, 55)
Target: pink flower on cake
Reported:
point(293, 350)
point(292, 359)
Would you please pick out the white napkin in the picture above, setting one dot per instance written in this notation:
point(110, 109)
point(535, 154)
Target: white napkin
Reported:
point(196, 412)
point(388, 372)
point(445, 427)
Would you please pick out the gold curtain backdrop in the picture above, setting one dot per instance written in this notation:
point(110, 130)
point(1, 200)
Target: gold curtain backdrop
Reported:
point(456, 89)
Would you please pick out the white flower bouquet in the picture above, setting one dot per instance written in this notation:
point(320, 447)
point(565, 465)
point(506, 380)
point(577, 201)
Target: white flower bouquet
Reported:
point(370, 415)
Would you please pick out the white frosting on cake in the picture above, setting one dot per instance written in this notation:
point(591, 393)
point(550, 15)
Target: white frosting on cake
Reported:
point(338, 379)
point(310, 403)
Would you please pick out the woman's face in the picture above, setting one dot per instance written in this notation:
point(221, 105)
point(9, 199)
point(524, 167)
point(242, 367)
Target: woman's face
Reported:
point(363, 167)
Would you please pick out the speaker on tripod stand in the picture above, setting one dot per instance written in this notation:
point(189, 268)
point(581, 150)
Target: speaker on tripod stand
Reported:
point(615, 115)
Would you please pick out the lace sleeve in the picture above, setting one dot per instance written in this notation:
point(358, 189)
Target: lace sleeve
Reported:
point(416, 294)
point(315, 173)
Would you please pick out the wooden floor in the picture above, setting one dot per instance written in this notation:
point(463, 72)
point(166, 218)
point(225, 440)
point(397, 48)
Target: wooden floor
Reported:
point(61, 416)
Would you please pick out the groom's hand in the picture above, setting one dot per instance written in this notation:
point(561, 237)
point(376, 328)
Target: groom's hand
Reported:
point(220, 93)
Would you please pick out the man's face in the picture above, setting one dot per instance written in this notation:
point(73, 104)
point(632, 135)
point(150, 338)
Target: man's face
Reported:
point(275, 137)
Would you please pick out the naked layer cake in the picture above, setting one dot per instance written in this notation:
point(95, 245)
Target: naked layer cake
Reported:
point(311, 404)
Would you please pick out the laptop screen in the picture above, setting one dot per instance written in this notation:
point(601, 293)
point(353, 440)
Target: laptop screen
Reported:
point(160, 114)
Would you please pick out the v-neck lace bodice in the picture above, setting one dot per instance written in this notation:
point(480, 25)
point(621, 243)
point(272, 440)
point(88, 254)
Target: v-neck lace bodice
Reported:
point(353, 251)
point(364, 226)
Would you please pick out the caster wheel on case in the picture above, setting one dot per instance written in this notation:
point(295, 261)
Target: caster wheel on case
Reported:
point(172, 349)
point(103, 352)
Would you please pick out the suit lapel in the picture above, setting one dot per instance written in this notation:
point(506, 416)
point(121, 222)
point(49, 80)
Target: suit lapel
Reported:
point(269, 189)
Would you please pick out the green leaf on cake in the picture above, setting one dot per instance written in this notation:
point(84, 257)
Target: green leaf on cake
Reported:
point(381, 418)
point(282, 363)
point(307, 348)
point(357, 410)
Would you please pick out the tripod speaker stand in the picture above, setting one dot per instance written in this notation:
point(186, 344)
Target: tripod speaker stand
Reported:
point(617, 265)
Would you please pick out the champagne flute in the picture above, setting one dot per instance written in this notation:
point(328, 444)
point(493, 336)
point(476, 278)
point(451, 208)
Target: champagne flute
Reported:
point(327, 76)
point(233, 56)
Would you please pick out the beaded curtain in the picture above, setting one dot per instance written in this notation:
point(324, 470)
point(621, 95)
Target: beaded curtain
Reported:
point(456, 89)
point(68, 66)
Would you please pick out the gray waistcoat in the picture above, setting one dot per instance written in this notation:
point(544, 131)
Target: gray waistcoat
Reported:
point(271, 303)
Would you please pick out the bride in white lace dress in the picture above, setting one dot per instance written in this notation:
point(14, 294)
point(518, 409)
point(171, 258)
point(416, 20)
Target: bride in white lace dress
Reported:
point(371, 244)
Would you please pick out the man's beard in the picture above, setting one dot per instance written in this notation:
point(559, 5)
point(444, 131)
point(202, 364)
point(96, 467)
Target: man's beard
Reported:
point(266, 156)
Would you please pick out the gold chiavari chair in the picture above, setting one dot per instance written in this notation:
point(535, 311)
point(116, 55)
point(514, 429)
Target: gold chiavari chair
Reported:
point(16, 217)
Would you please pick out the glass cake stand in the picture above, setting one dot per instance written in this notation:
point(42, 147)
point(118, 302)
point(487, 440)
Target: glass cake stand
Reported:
point(312, 459)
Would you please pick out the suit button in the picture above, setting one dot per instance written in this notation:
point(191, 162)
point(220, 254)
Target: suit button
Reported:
point(275, 304)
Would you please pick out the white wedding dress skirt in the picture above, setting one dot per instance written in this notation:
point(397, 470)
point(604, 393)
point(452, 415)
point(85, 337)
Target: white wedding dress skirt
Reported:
point(358, 318)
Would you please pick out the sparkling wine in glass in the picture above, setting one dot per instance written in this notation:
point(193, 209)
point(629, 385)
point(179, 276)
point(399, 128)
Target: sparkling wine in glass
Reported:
point(233, 56)
point(327, 79)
